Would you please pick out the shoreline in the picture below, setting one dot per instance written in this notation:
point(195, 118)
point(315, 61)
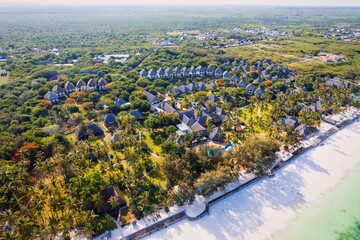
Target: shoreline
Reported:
point(290, 200)
point(334, 212)
point(148, 227)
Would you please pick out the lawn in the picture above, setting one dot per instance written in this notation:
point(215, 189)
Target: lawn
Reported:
point(71, 137)
point(3, 80)
point(254, 114)
point(154, 148)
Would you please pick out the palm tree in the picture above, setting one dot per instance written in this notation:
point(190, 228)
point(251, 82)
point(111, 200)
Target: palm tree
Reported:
point(65, 228)
point(10, 235)
point(251, 109)
point(97, 200)
point(9, 216)
point(24, 226)
point(143, 201)
point(228, 122)
point(52, 228)
point(197, 112)
point(90, 215)
point(113, 201)
point(54, 204)
point(39, 232)
point(38, 204)
point(209, 125)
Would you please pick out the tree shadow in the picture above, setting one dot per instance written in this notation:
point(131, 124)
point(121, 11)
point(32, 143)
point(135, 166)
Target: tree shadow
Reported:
point(242, 213)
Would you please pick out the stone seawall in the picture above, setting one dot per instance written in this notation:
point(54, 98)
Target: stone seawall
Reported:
point(182, 215)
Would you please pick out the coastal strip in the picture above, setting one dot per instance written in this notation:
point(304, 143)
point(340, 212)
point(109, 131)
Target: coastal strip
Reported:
point(232, 189)
point(267, 207)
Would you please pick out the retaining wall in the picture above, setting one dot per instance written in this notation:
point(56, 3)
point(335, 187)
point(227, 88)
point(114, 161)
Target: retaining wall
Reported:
point(157, 226)
point(182, 215)
point(206, 211)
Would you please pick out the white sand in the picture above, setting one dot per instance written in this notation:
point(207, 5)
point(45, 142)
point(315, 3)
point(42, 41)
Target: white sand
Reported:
point(266, 207)
point(197, 207)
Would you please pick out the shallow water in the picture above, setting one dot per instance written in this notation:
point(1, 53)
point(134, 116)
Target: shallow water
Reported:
point(335, 215)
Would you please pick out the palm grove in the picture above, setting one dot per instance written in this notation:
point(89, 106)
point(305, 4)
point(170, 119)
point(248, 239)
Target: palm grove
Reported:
point(51, 183)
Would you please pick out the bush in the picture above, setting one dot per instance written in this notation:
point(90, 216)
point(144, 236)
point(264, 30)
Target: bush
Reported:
point(167, 119)
point(170, 148)
point(141, 105)
point(170, 130)
point(153, 135)
point(105, 223)
point(152, 122)
point(88, 105)
point(73, 108)
point(159, 140)
point(70, 101)
point(78, 94)
point(94, 96)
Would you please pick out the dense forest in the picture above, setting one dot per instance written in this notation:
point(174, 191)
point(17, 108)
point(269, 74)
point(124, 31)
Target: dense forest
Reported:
point(122, 27)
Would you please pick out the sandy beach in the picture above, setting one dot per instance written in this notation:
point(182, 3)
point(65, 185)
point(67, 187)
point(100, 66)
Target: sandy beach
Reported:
point(267, 207)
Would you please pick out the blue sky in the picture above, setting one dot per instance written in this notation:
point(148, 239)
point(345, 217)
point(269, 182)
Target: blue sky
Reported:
point(221, 2)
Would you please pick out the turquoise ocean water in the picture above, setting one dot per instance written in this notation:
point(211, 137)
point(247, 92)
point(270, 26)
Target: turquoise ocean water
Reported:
point(335, 215)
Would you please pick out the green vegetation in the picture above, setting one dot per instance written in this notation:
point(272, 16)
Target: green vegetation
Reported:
point(51, 177)
point(292, 52)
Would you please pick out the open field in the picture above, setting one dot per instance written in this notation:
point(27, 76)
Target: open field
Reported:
point(181, 32)
point(3, 80)
point(292, 52)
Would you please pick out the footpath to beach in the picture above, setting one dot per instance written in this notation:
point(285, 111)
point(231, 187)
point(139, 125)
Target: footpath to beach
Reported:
point(259, 208)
